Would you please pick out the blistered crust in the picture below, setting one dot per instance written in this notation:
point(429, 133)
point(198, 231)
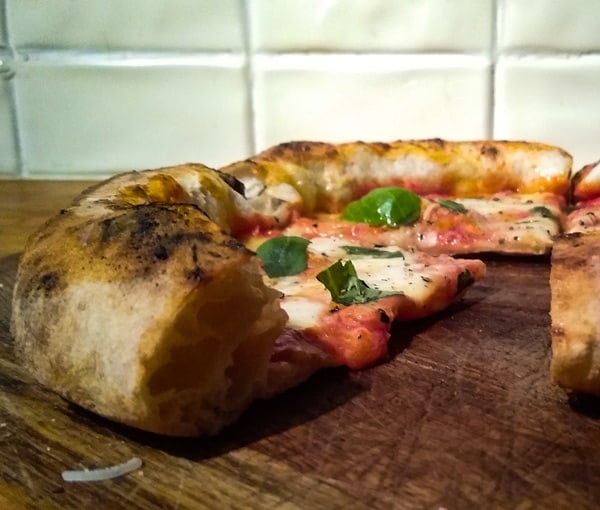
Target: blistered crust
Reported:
point(124, 309)
point(331, 175)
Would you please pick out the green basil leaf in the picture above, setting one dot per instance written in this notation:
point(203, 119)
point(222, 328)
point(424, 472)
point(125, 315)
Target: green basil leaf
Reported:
point(452, 205)
point(372, 252)
point(544, 212)
point(391, 206)
point(283, 256)
point(465, 279)
point(342, 282)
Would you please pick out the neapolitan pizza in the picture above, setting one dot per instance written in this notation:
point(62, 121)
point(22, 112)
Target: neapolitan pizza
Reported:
point(170, 299)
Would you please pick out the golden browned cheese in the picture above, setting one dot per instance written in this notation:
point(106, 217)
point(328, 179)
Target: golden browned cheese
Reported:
point(323, 177)
point(575, 287)
point(123, 305)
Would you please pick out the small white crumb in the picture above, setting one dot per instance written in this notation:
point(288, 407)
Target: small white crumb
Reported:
point(96, 475)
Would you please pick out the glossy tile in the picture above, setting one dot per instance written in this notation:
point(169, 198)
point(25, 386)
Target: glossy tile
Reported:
point(106, 25)
point(369, 98)
point(3, 35)
point(374, 25)
point(552, 100)
point(8, 139)
point(563, 25)
point(82, 119)
point(8, 150)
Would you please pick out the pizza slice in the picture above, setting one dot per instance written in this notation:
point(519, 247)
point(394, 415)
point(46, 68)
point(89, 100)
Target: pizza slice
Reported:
point(503, 223)
point(575, 286)
point(584, 213)
point(163, 317)
point(312, 176)
point(343, 296)
point(449, 197)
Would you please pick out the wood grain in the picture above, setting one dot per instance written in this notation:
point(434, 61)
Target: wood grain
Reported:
point(462, 415)
point(26, 204)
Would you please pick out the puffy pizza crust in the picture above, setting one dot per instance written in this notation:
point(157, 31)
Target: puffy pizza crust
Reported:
point(575, 287)
point(123, 303)
point(310, 177)
point(126, 310)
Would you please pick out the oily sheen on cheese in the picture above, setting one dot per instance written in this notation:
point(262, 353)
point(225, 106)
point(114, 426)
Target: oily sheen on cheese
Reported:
point(178, 244)
point(511, 224)
point(357, 335)
point(306, 298)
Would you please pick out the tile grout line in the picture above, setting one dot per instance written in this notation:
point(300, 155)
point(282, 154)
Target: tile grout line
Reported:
point(13, 110)
point(141, 59)
point(249, 77)
point(491, 127)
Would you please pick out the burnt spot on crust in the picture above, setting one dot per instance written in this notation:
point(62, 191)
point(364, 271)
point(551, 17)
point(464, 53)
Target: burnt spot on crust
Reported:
point(143, 238)
point(574, 238)
point(160, 252)
point(173, 241)
point(48, 281)
point(145, 224)
point(489, 151)
point(298, 146)
point(196, 274)
point(381, 146)
point(235, 184)
point(299, 151)
point(437, 141)
point(384, 318)
point(234, 244)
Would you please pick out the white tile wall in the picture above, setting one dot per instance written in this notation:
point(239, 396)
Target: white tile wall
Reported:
point(371, 25)
point(555, 99)
point(88, 88)
point(199, 25)
point(96, 118)
point(350, 97)
point(550, 25)
point(8, 146)
point(3, 38)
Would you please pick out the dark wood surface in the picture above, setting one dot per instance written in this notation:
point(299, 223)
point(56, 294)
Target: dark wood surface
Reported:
point(462, 415)
point(26, 204)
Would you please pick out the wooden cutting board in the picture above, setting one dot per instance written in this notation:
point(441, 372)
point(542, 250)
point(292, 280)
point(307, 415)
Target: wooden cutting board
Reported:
point(462, 415)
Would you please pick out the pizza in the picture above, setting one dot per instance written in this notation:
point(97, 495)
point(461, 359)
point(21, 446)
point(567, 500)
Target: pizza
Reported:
point(575, 286)
point(584, 213)
point(180, 295)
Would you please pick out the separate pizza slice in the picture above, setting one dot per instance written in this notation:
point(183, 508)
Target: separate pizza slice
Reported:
point(584, 214)
point(503, 223)
point(343, 297)
point(575, 287)
point(585, 183)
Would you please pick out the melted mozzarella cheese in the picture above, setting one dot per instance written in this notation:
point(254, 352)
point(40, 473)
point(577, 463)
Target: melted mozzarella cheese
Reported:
point(303, 312)
point(306, 299)
point(402, 274)
point(395, 276)
point(503, 224)
point(506, 204)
